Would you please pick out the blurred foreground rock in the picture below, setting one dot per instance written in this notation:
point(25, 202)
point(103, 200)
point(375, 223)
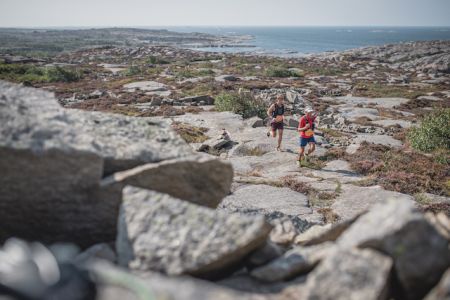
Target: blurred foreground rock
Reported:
point(53, 160)
point(161, 233)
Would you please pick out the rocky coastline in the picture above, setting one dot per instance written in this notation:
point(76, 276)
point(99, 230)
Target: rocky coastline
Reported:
point(159, 193)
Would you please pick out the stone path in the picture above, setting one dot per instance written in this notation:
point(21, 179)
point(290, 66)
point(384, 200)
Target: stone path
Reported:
point(260, 170)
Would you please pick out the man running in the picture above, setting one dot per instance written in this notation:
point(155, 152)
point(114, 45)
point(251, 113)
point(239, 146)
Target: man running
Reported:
point(306, 128)
point(276, 113)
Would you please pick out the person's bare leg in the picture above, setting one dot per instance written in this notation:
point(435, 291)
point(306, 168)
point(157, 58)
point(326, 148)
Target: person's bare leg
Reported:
point(280, 138)
point(311, 149)
point(273, 133)
point(301, 153)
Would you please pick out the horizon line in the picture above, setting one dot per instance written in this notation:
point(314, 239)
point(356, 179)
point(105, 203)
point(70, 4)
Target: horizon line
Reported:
point(219, 26)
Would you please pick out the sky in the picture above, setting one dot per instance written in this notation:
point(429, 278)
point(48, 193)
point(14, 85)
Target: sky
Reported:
point(102, 13)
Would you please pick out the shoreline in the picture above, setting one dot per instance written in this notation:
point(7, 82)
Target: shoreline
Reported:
point(242, 41)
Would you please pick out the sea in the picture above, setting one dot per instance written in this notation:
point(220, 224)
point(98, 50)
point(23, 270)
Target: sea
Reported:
point(298, 41)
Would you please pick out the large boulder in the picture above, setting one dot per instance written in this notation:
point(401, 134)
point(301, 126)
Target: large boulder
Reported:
point(199, 179)
point(420, 253)
point(126, 142)
point(52, 161)
point(268, 199)
point(354, 200)
point(158, 232)
point(288, 211)
point(350, 274)
point(47, 169)
point(35, 121)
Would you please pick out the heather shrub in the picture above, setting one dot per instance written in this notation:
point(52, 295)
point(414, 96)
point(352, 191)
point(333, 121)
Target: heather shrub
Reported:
point(433, 132)
point(242, 104)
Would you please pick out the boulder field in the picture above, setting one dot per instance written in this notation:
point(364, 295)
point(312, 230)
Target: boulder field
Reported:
point(142, 215)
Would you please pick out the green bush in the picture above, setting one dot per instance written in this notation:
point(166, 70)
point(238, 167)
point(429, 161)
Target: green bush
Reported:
point(205, 72)
point(58, 74)
point(281, 72)
point(433, 133)
point(133, 70)
point(32, 73)
point(242, 104)
point(156, 60)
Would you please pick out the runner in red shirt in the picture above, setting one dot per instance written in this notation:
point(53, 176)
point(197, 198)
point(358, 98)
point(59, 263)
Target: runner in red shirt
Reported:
point(306, 128)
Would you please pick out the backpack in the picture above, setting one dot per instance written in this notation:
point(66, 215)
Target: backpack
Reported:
point(309, 132)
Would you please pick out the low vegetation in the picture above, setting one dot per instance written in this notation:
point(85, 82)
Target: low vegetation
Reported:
point(242, 104)
point(252, 151)
point(333, 154)
point(37, 74)
point(282, 72)
point(157, 60)
point(436, 208)
point(329, 215)
point(378, 90)
point(298, 186)
point(324, 71)
point(328, 132)
point(313, 162)
point(433, 132)
point(191, 73)
point(407, 172)
point(316, 198)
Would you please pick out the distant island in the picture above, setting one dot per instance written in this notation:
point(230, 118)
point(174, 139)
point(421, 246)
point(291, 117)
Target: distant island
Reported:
point(44, 42)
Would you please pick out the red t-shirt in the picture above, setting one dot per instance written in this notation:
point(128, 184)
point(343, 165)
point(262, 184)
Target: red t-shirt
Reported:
point(302, 123)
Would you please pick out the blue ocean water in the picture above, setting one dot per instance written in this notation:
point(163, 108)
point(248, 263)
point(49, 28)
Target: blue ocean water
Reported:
point(306, 40)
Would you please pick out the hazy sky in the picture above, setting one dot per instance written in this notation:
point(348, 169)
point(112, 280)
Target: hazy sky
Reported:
point(27, 13)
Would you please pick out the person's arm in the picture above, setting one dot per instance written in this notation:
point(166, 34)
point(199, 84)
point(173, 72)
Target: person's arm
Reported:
point(270, 110)
point(306, 127)
point(303, 125)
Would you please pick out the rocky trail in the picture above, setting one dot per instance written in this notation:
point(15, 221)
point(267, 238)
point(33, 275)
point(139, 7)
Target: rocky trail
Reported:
point(156, 202)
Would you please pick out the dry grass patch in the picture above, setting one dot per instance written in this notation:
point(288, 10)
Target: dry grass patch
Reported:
point(333, 154)
point(192, 109)
point(253, 180)
point(252, 151)
point(378, 90)
point(365, 182)
point(189, 133)
point(298, 186)
point(255, 173)
point(364, 121)
point(329, 215)
point(328, 132)
point(313, 162)
point(422, 199)
point(316, 198)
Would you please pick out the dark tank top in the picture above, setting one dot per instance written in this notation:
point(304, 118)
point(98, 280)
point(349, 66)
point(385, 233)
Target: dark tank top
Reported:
point(278, 111)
